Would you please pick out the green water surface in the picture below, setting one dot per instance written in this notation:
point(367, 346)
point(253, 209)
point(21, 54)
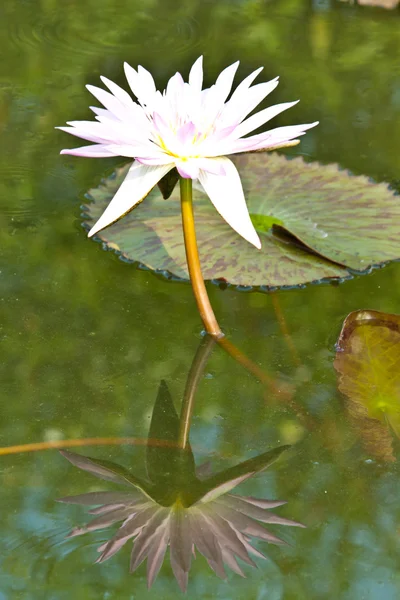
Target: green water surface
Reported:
point(86, 338)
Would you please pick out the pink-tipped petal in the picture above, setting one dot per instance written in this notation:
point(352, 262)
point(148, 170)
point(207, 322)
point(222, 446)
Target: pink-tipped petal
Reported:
point(137, 184)
point(161, 159)
point(84, 136)
point(186, 133)
point(273, 138)
point(153, 161)
point(226, 193)
point(133, 151)
point(188, 169)
point(95, 151)
point(212, 165)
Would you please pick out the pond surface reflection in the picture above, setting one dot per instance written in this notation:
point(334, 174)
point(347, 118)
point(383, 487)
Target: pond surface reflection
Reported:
point(86, 338)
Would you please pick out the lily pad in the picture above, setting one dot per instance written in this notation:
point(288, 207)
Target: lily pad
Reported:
point(368, 363)
point(314, 221)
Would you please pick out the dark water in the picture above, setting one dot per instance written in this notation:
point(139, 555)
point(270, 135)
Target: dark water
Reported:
point(85, 338)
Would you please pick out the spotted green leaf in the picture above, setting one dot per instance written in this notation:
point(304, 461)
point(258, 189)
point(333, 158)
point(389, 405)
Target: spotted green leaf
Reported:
point(314, 221)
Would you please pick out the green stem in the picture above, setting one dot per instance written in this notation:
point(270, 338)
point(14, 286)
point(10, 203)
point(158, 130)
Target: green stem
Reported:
point(193, 261)
point(192, 382)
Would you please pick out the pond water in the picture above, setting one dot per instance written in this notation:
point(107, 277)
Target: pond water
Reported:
point(86, 338)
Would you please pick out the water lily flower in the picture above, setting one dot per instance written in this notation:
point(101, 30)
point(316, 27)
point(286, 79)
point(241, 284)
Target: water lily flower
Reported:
point(219, 524)
point(186, 127)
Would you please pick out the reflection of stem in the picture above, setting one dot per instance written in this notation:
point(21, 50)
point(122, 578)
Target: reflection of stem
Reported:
point(284, 328)
point(193, 261)
point(192, 382)
point(112, 441)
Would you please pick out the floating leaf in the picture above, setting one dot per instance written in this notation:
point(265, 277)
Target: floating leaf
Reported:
point(347, 219)
point(368, 361)
point(382, 3)
point(314, 221)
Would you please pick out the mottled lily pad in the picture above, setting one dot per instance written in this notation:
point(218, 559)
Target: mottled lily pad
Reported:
point(314, 221)
point(368, 363)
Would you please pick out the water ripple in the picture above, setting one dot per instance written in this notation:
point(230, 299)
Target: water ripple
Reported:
point(68, 38)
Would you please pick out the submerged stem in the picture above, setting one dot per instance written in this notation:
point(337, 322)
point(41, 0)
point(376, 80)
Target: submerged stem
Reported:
point(193, 261)
point(73, 443)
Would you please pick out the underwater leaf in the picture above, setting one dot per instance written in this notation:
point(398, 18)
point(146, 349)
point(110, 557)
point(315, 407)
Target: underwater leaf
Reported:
point(164, 421)
point(368, 363)
point(314, 222)
point(103, 469)
point(168, 183)
point(167, 464)
point(224, 481)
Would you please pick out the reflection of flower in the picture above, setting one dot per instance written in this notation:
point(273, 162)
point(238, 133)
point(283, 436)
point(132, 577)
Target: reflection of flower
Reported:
point(187, 128)
point(219, 524)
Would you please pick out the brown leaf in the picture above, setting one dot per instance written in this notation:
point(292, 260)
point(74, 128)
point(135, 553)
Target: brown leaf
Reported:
point(368, 363)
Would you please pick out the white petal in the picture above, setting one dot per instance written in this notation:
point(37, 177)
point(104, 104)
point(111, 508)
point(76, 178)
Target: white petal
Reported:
point(132, 78)
point(147, 85)
point(226, 193)
point(174, 97)
point(174, 87)
point(260, 118)
point(137, 184)
point(225, 80)
point(240, 105)
point(244, 85)
point(125, 111)
point(133, 127)
point(118, 92)
point(110, 131)
point(141, 83)
point(103, 112)
point(196, 75)
point(107, 100)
